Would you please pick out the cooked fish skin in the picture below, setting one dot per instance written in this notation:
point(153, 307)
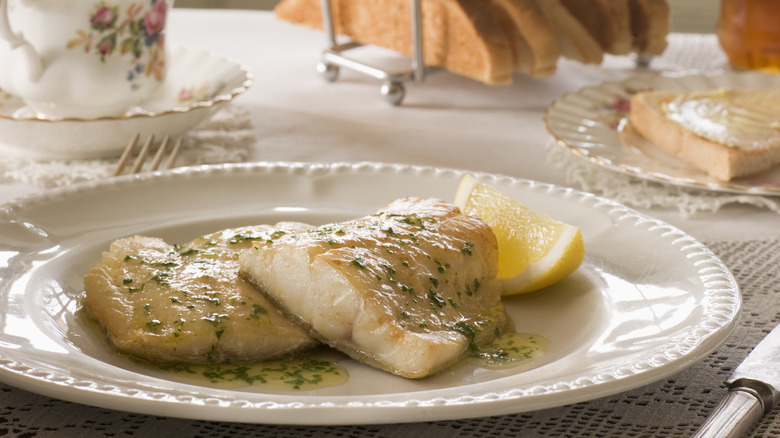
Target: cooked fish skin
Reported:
point(409, 289)
point(171, 304)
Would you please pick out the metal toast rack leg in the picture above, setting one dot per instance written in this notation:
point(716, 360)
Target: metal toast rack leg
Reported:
point(392, 82)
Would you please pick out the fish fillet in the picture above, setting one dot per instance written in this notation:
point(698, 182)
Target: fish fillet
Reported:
point(409, 289)
point(187, 304)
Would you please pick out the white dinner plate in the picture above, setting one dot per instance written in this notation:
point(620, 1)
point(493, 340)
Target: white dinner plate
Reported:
point(648, 301)
point(197, 84)
point(592, 123)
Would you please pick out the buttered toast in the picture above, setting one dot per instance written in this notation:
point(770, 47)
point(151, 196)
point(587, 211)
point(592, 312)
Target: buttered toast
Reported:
point(726, 133)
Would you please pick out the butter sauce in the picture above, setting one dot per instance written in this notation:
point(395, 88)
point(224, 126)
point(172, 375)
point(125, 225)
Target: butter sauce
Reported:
point(312, 371)
point(320, 369)
point(509, 350)
point(743, 119)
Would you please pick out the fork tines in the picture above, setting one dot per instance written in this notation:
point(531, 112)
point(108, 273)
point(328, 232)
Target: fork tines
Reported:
point(162, 149)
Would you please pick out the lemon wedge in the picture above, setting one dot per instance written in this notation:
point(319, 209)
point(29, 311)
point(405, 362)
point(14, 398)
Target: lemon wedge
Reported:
point(534, 250)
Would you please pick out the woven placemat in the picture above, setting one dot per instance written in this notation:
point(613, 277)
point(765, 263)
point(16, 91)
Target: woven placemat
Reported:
point(672, 407)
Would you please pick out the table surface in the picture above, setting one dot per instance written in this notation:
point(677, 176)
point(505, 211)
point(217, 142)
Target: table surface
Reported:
point(445, 121)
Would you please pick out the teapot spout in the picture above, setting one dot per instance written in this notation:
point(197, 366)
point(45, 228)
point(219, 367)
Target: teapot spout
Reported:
point(32, 58)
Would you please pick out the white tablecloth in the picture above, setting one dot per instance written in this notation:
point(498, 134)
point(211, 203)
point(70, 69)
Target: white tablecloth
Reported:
point(446, 121)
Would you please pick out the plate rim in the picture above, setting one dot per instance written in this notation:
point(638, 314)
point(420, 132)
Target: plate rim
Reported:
point(436, 408)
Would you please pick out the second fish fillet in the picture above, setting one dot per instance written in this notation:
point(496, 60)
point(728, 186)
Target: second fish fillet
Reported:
point(409, 289)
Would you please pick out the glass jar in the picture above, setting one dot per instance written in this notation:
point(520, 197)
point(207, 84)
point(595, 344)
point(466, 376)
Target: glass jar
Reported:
point(749, 33)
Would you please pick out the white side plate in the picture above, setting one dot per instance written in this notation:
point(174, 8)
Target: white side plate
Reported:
point(592, 123)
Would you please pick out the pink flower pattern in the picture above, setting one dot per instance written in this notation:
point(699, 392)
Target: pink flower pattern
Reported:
point(155, 18)
point(104, 18)
point(194, 93)
point(612, 112)
point(136, 33)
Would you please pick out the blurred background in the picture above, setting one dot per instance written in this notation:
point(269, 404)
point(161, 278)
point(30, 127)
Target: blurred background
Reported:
point(696, 16)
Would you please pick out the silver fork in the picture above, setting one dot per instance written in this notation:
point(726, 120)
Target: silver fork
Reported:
point(162, 149)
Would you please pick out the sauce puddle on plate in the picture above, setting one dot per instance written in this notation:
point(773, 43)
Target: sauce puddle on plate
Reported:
point(311, 371)
point(510, 350)
point(320, 369)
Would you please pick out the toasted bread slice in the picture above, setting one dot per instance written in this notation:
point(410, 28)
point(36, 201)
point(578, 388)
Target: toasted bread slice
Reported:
point(621, 12)
point(575, 41)
point(650, 24)
point(307, 13)
point(459, 35)
point(607, 21)
point(729, 152)
point(367, 22)
point(535, 42)
point(475, 45)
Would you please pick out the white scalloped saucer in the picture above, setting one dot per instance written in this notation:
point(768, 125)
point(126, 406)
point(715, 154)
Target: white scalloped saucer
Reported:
point(197, 84)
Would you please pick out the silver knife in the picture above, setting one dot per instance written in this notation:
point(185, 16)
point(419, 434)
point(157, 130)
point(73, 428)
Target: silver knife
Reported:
point(754, 389)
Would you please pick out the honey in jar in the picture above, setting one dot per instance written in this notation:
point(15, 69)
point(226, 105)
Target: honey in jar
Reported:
point(749, 33)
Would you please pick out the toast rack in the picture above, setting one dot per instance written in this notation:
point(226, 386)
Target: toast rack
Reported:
point(392, 88)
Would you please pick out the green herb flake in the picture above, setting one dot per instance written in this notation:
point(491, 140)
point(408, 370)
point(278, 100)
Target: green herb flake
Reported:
point(153, 324)
point(277, 234)
point(161, 278)
point(467, 330)
point(257, 310)
point(215, 318)
point(436, 300)
point(390, 271)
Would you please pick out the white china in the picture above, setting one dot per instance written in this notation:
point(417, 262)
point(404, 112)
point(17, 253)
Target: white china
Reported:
point(197, 84)
point(648, 301)
point(593, 123)
point(82, 58)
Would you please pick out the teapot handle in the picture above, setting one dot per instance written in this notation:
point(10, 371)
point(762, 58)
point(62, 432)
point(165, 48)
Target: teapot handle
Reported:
point(34, 61)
